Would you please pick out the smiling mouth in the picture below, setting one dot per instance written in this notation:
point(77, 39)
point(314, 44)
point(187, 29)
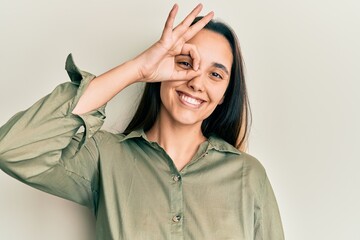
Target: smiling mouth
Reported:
point(189, 100)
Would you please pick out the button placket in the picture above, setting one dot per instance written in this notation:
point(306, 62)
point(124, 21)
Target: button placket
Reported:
point(177, 208)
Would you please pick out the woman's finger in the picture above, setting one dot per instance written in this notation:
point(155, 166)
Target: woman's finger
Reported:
point(190, 18)
point(168, 28)
point(184, 75)
point(191, 50)
point(191, 32)
point(180, 29)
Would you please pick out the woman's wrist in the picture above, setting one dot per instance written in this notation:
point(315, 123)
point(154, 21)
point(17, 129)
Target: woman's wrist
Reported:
point(134, 66)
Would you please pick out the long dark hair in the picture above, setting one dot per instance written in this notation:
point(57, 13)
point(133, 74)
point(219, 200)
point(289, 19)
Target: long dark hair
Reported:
point(229, 121)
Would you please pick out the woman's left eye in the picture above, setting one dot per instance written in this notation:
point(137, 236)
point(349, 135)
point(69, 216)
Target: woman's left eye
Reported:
point(215, 74)
point(185, 64)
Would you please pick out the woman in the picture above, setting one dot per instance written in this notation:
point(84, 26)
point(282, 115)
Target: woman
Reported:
point(175, 173)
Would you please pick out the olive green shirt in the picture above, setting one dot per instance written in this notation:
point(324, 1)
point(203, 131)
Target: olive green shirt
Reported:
point(130, 183)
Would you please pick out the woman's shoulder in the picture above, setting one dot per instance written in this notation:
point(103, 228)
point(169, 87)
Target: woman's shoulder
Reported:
point(252, 164)
point(105, 137)
point(249, 163)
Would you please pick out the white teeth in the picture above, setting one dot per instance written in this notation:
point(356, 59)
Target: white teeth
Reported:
point(190, 100)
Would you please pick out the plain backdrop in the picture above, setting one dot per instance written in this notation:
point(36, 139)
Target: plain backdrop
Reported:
point(302, 65)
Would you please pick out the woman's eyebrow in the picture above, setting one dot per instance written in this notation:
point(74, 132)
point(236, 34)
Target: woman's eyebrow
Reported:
point(221, 66)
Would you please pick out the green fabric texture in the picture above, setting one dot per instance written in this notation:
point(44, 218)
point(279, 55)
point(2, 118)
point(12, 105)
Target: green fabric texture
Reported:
point(130, 183)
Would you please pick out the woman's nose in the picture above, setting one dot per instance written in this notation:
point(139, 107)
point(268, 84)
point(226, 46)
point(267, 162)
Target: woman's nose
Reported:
point(197, 83)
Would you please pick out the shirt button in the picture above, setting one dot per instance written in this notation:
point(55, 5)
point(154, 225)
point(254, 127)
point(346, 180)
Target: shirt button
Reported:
point(176, 218)
point(176, 178)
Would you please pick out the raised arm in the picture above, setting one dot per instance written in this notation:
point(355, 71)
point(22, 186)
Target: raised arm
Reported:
point(155, 64)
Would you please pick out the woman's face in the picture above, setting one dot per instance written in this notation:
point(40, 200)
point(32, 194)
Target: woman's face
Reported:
point(190, 102)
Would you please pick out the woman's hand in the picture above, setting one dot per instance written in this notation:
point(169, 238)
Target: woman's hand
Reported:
point(157, 63)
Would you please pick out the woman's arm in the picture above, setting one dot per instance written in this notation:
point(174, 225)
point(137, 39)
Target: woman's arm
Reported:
point(156, 64)
point(267, 223)
point(38, 146)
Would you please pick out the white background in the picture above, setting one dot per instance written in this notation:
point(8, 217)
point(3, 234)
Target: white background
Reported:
point(302, 60)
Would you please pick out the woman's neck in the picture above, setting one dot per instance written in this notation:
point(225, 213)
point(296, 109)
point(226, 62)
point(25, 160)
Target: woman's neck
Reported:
point(180, 142)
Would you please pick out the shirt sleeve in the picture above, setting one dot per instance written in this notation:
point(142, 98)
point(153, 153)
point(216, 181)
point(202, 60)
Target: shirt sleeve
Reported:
point(268, 224)
point(40, 146)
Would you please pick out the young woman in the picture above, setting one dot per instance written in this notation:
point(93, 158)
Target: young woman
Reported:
point(176, 172)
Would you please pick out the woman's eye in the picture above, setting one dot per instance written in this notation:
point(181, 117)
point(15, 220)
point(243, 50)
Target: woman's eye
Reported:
point(185, 64)
point(215, 74)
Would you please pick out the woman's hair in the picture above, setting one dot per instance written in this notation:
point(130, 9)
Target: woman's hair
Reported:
point(229, 121)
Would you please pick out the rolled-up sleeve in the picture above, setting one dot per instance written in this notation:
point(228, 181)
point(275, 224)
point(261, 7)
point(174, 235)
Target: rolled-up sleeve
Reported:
point(40, 146)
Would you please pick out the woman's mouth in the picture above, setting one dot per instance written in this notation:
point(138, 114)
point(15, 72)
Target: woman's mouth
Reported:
point(189, 100)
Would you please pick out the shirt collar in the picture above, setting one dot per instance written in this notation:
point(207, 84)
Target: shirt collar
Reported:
point(221, 145)
point(215, 142)
point(139, 133)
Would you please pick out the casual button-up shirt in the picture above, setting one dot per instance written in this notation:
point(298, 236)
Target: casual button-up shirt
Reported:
point(130, 183)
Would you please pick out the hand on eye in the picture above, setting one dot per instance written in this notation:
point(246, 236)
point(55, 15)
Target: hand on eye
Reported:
point(158, 63)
